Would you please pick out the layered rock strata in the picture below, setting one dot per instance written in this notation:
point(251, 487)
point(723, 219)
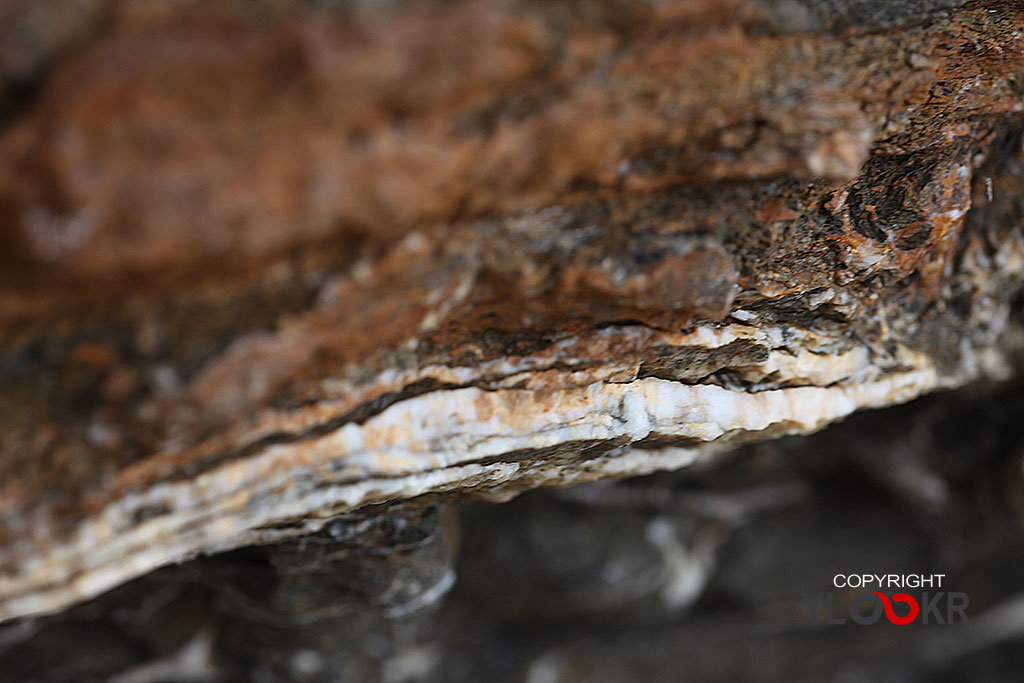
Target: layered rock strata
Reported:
point(265, 265)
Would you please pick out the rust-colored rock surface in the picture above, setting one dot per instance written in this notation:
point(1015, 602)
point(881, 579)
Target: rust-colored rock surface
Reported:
point(265, 263)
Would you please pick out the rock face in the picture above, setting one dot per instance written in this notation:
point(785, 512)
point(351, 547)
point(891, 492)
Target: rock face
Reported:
point(265, 264)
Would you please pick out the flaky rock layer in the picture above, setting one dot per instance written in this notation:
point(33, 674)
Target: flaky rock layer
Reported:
point(263, 267)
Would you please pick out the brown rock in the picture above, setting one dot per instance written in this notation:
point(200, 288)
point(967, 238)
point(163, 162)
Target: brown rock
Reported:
point(264, 265)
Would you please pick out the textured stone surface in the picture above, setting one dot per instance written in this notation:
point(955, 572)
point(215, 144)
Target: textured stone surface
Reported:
point(264, 264)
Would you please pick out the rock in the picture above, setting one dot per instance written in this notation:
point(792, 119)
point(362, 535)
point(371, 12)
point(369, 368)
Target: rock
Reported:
point(267, 266)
